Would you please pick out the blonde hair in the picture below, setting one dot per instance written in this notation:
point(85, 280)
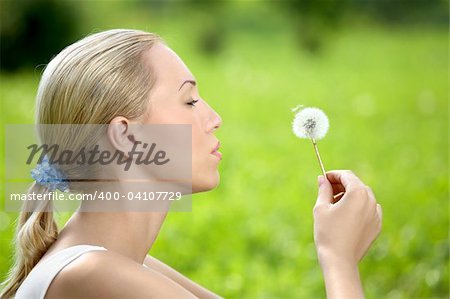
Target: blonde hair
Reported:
point(90, 82)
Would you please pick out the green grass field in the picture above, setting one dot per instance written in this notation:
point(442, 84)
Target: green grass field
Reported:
point(385, 91)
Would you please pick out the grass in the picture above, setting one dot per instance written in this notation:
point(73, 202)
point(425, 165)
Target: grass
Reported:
point(385, 91)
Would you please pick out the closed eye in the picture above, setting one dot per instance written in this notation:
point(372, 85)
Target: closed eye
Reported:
point(192, 103)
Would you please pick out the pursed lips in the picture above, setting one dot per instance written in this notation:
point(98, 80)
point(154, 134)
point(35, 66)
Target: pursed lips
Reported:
point(215, 151)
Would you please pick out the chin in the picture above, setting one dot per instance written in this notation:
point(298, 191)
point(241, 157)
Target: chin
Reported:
point(205, 184)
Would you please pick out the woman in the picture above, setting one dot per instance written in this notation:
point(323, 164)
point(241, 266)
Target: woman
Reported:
point(124, 77)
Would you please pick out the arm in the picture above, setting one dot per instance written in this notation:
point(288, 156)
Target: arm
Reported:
point(347, 219)
point(341, 279)
point(180, 279)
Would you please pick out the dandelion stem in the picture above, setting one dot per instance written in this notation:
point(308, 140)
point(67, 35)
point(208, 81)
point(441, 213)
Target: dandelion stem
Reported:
point(318, 157)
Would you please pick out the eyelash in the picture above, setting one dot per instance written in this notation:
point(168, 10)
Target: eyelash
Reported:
point(192, 103)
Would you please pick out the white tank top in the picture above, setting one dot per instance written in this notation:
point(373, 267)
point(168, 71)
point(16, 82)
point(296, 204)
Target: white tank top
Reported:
point(38, 280)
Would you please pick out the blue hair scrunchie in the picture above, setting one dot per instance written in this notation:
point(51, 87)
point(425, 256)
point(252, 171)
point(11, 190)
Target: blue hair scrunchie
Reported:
point(49, 176)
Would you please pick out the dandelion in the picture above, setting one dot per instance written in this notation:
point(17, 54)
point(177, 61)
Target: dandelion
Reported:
point(311, 123)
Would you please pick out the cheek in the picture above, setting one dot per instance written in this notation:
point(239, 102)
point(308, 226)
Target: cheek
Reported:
point(198, 139)
point(204, 165)
point(199, 151)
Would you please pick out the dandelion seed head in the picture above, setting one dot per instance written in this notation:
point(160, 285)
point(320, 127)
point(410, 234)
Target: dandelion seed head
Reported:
point(310, 123)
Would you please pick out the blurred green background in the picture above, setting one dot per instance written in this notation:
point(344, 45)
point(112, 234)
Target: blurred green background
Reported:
point(379, 69)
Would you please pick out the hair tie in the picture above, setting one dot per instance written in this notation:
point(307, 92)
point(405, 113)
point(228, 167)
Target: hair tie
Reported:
point(49, 176)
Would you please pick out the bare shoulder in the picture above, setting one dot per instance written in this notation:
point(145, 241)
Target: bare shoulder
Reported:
point(105, 274)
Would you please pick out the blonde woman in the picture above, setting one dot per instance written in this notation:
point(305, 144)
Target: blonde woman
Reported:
point(127, 77)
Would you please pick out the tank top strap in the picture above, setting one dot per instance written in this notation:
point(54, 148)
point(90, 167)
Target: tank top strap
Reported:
point(39, 279)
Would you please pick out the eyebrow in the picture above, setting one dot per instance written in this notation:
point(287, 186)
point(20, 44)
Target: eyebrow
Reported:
point(188, 81)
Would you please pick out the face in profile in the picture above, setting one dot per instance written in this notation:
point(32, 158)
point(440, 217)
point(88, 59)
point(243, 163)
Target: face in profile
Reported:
point(175, 99)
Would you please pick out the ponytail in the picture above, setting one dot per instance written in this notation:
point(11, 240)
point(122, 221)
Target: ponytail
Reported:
point(36, 231)
point(104, 74)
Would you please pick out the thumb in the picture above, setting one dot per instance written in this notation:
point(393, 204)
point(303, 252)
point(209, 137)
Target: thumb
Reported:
point(325, 194)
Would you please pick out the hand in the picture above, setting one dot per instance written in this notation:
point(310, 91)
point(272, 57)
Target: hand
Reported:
point(347, 218)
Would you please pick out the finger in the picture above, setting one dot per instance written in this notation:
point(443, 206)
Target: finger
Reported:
point(344, 177)
point(371, 197)
point(379, 212)
point(325, 193)
point(370, 192)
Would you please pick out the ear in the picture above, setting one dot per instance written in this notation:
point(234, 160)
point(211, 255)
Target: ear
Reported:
point(120, 135)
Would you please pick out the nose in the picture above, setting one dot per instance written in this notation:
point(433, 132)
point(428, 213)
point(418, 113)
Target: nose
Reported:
point(217, 121)
point(214, 120)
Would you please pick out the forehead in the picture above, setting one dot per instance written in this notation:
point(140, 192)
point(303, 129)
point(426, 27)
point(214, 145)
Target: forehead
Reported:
point(167, 66)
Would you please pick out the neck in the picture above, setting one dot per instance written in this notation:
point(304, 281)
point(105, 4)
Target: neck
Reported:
point(131, 234)
point(127, 227)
